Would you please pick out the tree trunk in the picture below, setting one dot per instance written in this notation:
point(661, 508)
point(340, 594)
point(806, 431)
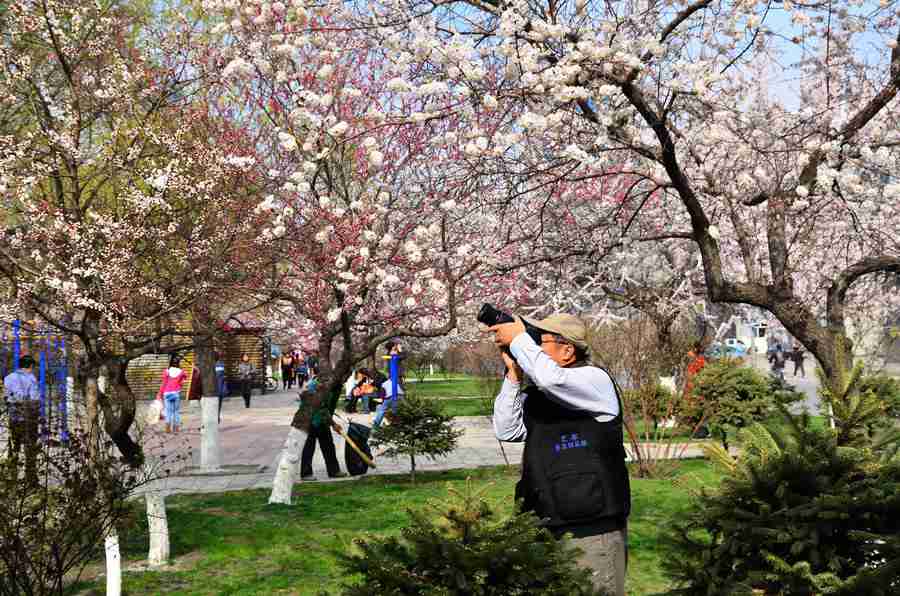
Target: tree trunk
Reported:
point(288, 461)
point(113, 565)
point(158, 528)
point(205, 360)
point(118, 406)
point(210, 448)
point(412, 466)
point(92, 408)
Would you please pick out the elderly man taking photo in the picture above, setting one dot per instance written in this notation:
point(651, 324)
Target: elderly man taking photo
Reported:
point(570, 417)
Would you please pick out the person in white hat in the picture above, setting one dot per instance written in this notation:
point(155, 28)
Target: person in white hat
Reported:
point(570, 418)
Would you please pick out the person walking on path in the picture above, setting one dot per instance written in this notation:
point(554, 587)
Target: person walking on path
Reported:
point(777, 360)
point(245, 374)
point(170, 393)
point(797, 356)
point(301, 371)
point(221, 389)
point(312, 365)
point(573, 467)
point(22, 397)
point(320, 430)
point(287, 371)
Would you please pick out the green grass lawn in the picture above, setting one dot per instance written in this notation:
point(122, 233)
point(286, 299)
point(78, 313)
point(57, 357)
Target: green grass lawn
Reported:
point(235, 543)
point(456, 387)
point(469, 406)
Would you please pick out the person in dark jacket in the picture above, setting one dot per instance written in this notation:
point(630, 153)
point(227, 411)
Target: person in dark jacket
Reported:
point(221, 383)
point(777, 360)
point(320, 430)
point(797, 356)
point(21, 394)
point(245, 374)
point(573, 467)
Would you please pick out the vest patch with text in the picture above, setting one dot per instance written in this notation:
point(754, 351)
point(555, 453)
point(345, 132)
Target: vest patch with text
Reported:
point(573, 467)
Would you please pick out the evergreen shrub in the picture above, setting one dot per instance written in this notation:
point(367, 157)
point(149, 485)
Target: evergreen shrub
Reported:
point(653, 404)
point(799, 513)
point(466, 549)
point(418, 427)
point(733, 396)
point(886, 389)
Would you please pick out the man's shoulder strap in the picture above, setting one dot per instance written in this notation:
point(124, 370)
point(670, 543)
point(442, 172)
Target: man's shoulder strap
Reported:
point(617, 390)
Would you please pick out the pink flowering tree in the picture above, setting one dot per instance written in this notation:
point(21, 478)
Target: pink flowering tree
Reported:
point(376, 222)
point(123, 202)
point(761, 133)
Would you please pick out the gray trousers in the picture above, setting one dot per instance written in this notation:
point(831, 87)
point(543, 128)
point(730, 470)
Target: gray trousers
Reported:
point(607, 556)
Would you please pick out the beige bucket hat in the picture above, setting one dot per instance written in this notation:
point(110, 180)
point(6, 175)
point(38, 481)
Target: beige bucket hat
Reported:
point(565, 325)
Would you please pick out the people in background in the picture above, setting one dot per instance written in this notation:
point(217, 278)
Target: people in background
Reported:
point(170, 392)
point(195, 388)
point(312, 364)
point(22, 396)
point(287, 371)
point(392, 396)
point(696, 363)
point(245, 375)
point(364, 390)
point(320, 431)
point(777, 359)
point(302, 371)
point(797, 356)
point(221, 383)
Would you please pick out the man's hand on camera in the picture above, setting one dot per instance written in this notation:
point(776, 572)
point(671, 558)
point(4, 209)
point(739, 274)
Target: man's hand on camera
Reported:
point(503, 336)
point(506, 332)
point(513, 370)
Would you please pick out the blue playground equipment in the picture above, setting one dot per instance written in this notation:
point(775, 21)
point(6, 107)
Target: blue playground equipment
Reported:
point(50, 354)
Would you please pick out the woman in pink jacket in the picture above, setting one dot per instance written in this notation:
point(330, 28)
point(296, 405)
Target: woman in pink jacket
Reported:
point(170, 391)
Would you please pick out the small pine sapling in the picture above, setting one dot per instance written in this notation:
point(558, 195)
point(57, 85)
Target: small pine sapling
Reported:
point(418, 427)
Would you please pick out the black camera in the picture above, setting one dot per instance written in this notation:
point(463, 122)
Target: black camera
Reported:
point(490, 316)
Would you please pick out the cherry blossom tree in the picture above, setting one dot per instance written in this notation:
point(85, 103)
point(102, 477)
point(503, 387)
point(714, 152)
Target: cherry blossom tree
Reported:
point(124, 204)
point(374, 218)
point(762, 132)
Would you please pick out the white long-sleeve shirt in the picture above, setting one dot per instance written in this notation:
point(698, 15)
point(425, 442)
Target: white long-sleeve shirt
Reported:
point(588, 389)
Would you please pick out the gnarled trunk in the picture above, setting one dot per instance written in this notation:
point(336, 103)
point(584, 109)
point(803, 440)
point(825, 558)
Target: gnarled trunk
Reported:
point(118, 407)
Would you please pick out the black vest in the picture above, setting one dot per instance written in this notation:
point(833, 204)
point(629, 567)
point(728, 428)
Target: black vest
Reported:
point(573, 468)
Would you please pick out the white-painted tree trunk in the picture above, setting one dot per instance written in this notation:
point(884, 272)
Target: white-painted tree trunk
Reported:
point(287, 466)
point(113, 565)
point(431, 370)
point(159, 529)
point(210, 448)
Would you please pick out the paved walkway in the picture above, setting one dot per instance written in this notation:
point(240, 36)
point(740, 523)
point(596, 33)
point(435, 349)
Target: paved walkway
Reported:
point(254, 437)
point(808, 384)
